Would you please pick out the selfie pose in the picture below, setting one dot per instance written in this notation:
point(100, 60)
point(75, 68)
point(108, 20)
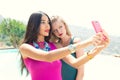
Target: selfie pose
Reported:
point(40, 57)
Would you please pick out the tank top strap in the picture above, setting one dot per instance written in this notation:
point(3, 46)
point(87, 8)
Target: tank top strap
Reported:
point(72, 39)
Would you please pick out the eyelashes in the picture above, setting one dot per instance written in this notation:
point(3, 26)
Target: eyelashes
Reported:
point(56, 30)
point(45, 22)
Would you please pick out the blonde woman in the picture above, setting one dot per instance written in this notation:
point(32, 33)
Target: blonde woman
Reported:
point(62, 37)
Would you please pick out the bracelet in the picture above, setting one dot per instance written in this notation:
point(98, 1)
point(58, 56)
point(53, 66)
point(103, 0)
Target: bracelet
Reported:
point(89, 56)
point(71, 48)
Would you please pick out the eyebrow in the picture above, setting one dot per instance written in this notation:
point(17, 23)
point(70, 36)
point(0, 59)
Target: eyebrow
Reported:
point(42, 20)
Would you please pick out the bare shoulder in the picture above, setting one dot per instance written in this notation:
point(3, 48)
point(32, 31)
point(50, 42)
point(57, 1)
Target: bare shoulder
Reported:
point(27, 50)
point(24, 45)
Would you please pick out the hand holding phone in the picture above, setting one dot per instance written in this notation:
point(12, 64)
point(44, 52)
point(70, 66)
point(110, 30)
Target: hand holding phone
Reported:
point(97, 27)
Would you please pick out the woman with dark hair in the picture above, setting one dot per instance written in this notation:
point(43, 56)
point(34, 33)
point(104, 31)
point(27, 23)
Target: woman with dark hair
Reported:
point(41, 58)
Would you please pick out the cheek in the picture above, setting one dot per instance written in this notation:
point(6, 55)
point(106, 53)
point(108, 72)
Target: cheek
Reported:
point(56, 34)
point(41, 31)
point(64, 30)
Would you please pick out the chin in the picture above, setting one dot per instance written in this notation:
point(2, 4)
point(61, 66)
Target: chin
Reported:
point(46, 34)
point(60, 36)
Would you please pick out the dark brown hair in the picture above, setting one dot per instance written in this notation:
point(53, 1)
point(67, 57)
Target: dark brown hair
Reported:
point(32, 32)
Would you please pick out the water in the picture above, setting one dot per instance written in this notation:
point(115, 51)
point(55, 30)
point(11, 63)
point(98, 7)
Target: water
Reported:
point(103, 66)
point(11, 50)
point(10, 65)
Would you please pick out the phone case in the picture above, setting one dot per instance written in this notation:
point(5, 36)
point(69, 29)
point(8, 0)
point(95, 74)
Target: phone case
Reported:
point(97, 27)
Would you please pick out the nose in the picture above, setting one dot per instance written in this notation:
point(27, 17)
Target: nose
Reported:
point(59, 31)
point(47, 25)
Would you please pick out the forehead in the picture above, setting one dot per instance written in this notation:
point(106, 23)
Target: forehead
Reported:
point(44, 18)
point(57, 23)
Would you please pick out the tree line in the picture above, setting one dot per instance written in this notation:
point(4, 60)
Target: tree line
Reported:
point(11, 32)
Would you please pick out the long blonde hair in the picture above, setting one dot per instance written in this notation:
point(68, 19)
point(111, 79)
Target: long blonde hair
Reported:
point(54, 38)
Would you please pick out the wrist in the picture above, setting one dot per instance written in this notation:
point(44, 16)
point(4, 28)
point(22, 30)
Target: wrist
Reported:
point(71, 48)
point(90, 56)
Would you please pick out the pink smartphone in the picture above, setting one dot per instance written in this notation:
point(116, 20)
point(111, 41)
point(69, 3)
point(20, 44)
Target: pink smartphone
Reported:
point(97, 27)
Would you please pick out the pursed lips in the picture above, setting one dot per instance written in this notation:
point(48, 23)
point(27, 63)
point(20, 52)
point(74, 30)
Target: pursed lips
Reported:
point(47, 30)
point(60, 34)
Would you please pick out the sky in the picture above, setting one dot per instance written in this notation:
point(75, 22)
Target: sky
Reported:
point(75, 12)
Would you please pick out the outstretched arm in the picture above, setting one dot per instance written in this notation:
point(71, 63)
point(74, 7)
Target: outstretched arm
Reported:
point(87, 56)
point(29, 51)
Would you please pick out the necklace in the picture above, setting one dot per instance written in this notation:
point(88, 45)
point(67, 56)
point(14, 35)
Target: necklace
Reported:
point(41, 44)
point(46, 47)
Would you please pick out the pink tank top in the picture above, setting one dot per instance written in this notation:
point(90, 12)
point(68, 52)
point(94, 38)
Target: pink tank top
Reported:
point(41, 70)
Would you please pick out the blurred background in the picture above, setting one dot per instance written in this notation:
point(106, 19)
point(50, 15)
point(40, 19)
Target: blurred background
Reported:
point(78, 14)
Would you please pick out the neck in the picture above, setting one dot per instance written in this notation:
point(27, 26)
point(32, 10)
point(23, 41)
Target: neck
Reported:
point(40, 39)
point(65, 41)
